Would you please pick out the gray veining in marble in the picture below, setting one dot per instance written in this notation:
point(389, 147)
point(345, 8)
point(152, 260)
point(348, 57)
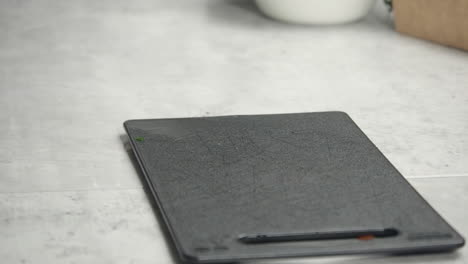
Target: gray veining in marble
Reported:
point(72, 71)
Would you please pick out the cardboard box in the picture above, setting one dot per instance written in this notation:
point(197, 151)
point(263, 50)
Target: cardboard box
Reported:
point(442, 21)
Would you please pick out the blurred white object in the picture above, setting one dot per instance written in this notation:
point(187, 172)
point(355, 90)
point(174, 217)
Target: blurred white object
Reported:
point(316, 11)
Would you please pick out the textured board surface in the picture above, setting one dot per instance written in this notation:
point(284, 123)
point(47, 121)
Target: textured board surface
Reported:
point(444, 22)
point(218, 178)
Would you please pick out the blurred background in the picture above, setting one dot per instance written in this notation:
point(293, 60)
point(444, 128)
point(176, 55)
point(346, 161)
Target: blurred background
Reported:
point(71, 72)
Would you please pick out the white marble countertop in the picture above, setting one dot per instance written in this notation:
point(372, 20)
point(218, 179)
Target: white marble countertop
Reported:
point(72, 71)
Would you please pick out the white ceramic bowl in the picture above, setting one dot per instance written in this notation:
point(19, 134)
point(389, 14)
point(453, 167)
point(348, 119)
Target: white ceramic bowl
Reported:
point(321, 12)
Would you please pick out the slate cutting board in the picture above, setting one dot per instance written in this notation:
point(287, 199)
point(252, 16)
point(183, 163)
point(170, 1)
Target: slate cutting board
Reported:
point(264, 186)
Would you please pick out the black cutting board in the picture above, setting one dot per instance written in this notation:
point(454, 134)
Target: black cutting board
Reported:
point(263, 186)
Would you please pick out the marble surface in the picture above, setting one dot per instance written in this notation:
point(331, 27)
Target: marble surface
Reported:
point(72, 71)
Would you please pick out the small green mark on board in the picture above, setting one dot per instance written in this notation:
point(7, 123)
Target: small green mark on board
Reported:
point(140, 139)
